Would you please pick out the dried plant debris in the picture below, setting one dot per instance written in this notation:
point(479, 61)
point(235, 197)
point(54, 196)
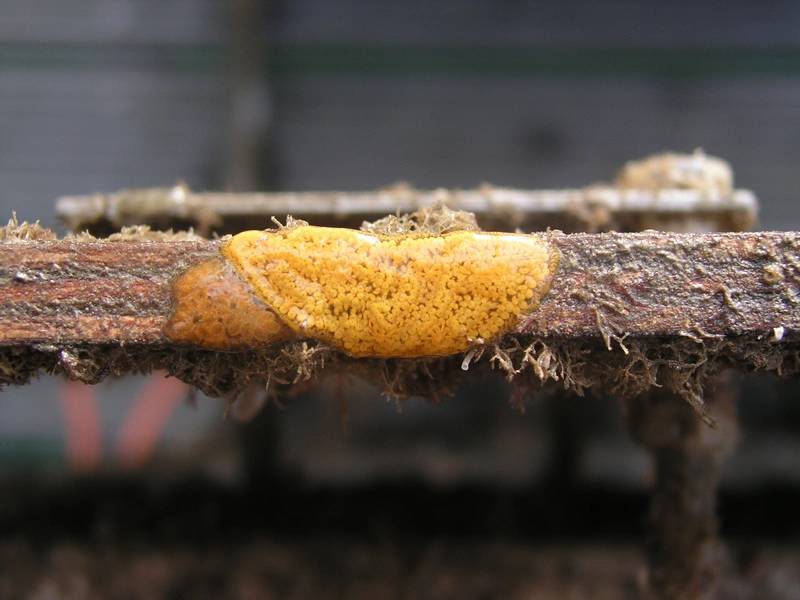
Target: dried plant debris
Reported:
point(145, 233)
point(681, 366)
point(436, 219)
point(139, 233)
point(15, 231)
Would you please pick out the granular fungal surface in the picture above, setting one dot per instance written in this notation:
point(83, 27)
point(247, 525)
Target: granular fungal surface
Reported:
point(405, 295)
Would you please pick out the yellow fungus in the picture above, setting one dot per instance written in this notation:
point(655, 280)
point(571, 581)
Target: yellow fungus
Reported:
point(214, 308)
point(406, 295)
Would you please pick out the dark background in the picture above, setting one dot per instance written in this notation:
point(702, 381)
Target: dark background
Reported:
point(355, 94)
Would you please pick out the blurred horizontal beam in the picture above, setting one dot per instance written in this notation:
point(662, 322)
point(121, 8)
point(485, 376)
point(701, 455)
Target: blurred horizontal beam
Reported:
point(596, 208)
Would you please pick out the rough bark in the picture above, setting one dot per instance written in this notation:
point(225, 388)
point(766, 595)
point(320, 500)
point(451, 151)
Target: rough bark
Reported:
point(626, 311)
point(607, 285)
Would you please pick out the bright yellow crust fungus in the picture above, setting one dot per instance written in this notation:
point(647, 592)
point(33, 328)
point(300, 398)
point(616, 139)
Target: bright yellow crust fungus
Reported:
point(408, 295)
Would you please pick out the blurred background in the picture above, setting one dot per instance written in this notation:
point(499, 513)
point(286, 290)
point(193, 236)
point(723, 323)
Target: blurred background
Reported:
point(96, 96)
point(355, 94)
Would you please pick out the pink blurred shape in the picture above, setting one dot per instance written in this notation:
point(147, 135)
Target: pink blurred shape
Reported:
point(151, 410)
point(84, 442)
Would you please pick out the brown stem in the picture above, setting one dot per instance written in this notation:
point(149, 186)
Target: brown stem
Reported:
point(685, 555)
